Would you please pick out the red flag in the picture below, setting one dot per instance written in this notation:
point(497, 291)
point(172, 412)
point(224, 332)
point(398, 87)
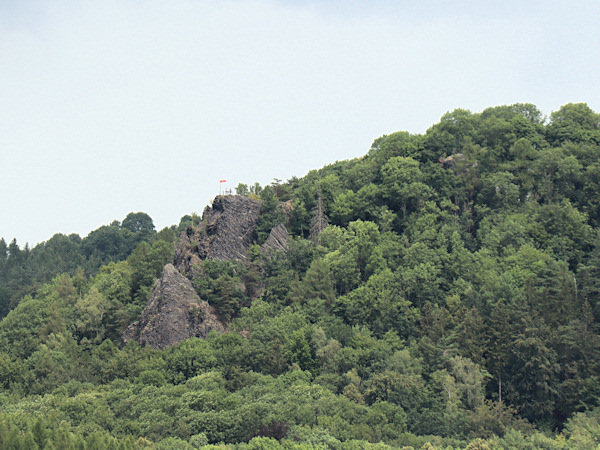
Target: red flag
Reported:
point(222, 181)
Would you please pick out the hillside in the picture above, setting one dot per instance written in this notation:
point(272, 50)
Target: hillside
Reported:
point(443, 290)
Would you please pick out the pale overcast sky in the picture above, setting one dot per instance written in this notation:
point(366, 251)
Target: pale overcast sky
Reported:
point(109, 107)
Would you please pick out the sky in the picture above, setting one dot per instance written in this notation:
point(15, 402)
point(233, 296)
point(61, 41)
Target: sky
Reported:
point(111, 107)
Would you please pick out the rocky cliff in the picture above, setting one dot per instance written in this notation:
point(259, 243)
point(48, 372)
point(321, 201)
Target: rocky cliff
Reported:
point(173, 314)
point(278, 239)
point(226, 232)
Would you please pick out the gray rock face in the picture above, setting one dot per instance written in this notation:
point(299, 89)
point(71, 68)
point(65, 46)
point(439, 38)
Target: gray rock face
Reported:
point(278, 239)
point(173, 314)
point(226, 232)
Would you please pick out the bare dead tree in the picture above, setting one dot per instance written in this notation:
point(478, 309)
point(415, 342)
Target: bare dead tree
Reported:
point(319, 221)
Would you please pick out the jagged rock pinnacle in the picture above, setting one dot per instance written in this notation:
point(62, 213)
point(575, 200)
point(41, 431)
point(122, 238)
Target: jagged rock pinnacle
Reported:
point(173, 314)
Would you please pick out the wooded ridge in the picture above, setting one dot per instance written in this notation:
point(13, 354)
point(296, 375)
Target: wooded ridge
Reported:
point(442, 291)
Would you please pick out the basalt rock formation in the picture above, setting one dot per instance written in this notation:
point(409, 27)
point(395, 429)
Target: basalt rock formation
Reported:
point(173, 314)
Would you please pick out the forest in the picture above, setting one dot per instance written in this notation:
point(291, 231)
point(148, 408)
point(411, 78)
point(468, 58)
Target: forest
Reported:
point(440, 292)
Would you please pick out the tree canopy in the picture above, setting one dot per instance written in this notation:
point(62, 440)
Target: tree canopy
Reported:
point(442, 291)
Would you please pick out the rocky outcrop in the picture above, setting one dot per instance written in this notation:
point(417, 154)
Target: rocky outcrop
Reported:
point(226, 232)
point(449, 162)
point(277, 240)
point(173, 314)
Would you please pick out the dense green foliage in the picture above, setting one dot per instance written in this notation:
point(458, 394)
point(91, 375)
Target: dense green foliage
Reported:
point(453, 301)
point(23, 271)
